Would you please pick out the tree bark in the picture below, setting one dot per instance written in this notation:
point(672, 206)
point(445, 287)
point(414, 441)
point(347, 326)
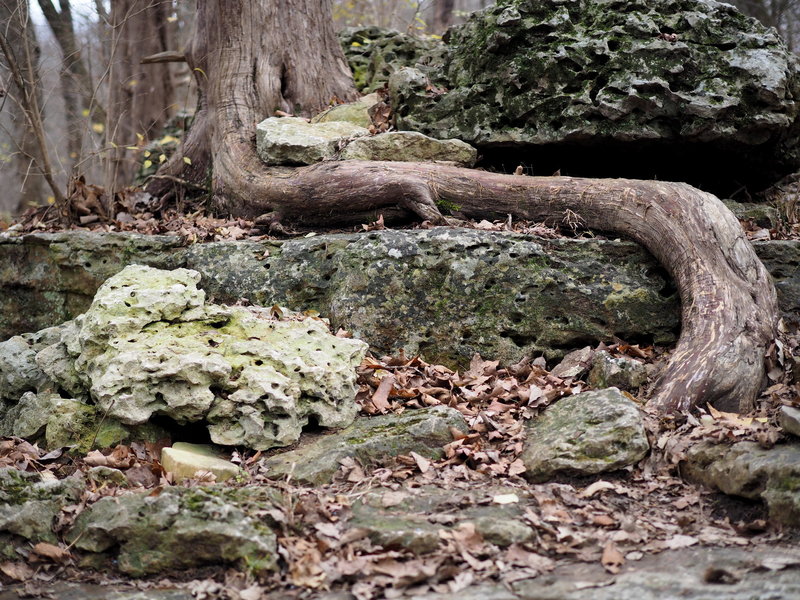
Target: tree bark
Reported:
point(729, 304)
point(76, 84)
point(443, 14)
point(27, 158)
point(141, 97)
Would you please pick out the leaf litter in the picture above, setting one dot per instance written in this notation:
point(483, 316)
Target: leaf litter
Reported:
point(610, 520)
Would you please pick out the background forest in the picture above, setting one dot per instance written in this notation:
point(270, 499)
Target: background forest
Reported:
point(98, 106)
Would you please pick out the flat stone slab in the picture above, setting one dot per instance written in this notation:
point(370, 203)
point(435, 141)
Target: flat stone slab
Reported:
point(295, 141)
point(369, 439)
point(185, 460)
point(746, 469)
point(393, 289)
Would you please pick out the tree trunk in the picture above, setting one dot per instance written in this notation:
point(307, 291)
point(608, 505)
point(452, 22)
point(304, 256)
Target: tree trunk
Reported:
point(77, 88)
point(141, 97)
point(26, 152)
point(443, 14)
point(729, 304)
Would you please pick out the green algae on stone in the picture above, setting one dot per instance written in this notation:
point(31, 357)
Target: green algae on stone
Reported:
point(29, 505)
point(180, 528)
point(533, 72)
point(585, 434)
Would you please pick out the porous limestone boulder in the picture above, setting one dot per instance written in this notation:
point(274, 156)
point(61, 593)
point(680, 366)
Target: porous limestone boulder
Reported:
point(295, 141)
point(635, 77)
point(410, 146)
point(374, 53)
point(585, 434)
point(180, 528)
point(150, 345)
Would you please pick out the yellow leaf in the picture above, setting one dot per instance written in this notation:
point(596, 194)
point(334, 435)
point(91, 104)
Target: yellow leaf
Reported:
point(172, 19)
point(162, 158)
point(51, 200)
point(133, 83)
point(98, 127)
point(146, 153)
point(85, 112)
point(355, 44)
point(167, 139)
point(187, 160)
point(73, 155)
point(131, 148)
point(140, 137)
point(147, 164)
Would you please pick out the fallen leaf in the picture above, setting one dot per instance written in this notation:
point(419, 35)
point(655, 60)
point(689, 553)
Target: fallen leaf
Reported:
point(51, 551)
point(597, 486)
point(17, 571)
point(612, 559)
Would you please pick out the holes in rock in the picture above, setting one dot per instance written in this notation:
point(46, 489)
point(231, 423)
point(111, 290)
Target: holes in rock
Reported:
point(258, 362)
point(519, 340)
point(193, 433)
point(613, 45)
point(267, 265)
point(313, 425)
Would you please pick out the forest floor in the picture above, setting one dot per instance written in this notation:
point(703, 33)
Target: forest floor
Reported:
point(590, 532)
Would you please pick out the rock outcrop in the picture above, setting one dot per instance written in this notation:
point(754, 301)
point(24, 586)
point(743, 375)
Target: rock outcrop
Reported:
point(608, 88)
point(514, 294)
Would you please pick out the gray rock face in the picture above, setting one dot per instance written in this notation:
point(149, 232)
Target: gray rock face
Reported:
point(410, 146)
point(585, 434)
point(369, 440)
point(295, 141)
point(412, 519)
point(374, 53)
point(790, 420)
point(179, 528)
point(514, 294)
point(676, 73)
point(150, 345)
point(746, 469)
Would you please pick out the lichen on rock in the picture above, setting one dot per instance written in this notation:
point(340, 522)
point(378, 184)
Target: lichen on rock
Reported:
point(150, 345)
point(585, 434)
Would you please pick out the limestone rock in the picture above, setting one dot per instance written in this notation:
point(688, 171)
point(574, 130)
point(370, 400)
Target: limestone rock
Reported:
point(559, 77)
point(622, 372)
point(746, 469)
point(29, 505)
point(150, 344)
point(575, 364)
point(368, 440)
point(790, 420)
point(184, 460)
point(517, 295)
point(19, 372)
point(356, 112)
point(411, 519)
point(410, 146)
point(585, 434)
point(295, 141)
point(180, 528)
point(374, 53)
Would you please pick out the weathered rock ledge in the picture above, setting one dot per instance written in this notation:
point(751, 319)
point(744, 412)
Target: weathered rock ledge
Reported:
point(444, 292)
